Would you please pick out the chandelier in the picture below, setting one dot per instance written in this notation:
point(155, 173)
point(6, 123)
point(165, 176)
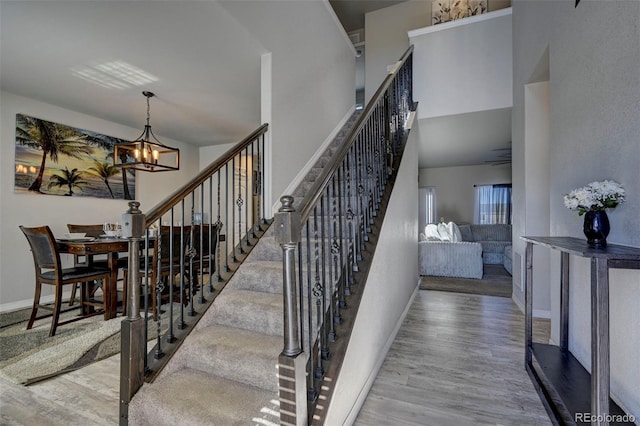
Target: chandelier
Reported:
point(146, 153)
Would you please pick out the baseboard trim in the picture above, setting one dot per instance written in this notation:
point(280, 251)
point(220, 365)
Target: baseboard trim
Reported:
point(364, 392)
point(303, 172)
point(22, 304)
point(537, 313)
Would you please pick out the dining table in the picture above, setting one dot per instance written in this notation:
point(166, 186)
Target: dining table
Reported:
point(109, 246)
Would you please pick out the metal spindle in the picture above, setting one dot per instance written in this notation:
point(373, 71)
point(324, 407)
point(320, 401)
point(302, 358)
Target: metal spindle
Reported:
point(226, 214)
point(191, 254)
point(233, 210)
point(218, 233)
point(246, 196)
point(312, 393)
point(182, 324)
point(211, 260)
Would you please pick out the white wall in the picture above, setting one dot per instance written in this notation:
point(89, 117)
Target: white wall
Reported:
point(386, 38)
point(455, 196)
point(457, 73)
point(312, 68)
point(16, 263)
point(395, 263)
point(594, 127)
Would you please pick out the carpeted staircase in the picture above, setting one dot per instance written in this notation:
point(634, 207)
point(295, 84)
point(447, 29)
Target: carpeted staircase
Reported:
point(225, 373)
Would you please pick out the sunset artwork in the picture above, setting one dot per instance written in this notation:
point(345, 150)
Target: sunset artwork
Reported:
point(55, 159)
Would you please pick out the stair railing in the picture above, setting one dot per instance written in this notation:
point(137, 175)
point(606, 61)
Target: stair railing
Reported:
point(324, 239)
point(183, 252)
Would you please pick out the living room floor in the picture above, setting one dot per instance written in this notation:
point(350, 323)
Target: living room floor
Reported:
point(458, 359)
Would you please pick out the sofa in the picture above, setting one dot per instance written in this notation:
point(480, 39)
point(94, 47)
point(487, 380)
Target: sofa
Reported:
point(459, 251)
point(493, 239)
point(451, 259)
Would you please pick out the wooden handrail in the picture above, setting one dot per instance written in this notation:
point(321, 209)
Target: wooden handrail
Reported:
point(166, 204)
point(316, 191)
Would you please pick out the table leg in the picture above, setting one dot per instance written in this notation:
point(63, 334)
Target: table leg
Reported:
point(528, 302)
point(600, 379)
point(111, 293)
point(564, 301)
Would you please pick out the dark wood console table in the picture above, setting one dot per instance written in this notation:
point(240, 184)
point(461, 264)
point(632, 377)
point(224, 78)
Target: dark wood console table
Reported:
point(561, 381)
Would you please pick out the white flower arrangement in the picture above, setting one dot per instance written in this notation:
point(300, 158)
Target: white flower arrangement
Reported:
point(596, 196)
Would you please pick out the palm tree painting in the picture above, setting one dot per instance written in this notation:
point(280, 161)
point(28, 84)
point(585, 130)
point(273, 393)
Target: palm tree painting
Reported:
point(69, 178)
point(56, 159)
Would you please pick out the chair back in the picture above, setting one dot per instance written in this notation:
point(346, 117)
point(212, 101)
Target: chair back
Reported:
point(43, 247)
point(89, 230)
point(201, 234)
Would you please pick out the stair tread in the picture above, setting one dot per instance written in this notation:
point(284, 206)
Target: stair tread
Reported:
point(191, 397)
point(234, 353)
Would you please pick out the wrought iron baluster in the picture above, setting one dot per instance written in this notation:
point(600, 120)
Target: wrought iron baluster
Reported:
point(255, 198)
point(200, 252)
point(159, 288)
point(182, 324)
point(317, 293)
point(218, 233)
point(191, 254)
point(170, 336)
point(246, 196)
point(312, 393)
point(211, 250)
point(226, 218)
point(238, 202)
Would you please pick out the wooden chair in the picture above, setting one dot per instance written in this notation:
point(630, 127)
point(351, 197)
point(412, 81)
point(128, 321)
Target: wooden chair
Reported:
point(166, 262)
point(48, 270)
point(169, 260)
point(94, 231)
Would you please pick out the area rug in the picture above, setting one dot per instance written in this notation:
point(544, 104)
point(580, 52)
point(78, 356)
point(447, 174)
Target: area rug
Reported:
point(30, 356)
point(495, 281)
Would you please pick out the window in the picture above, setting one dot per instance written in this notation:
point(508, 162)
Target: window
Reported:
point(493, 204)
point(427, 206)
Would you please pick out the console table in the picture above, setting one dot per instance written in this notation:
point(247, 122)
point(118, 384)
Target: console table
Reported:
point(560, 380)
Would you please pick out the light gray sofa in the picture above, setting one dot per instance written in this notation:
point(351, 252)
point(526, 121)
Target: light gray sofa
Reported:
point(493, 238)
point(447, 259)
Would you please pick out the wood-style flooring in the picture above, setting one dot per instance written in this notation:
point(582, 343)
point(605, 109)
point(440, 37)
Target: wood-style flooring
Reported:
point(457, 360)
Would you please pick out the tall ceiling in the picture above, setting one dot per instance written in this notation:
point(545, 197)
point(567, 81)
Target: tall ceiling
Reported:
point(96, 57)
point(351, 12)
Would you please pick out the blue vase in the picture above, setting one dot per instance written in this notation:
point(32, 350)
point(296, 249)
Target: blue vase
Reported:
point(596, 228)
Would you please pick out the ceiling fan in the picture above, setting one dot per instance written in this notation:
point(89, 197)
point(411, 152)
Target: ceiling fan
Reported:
point(504, 157)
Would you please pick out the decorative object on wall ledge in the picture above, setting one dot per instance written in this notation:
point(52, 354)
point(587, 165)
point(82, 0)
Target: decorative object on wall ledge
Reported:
point(146, 153)
point(592, 201)
point(56, 159)
point(450, 10)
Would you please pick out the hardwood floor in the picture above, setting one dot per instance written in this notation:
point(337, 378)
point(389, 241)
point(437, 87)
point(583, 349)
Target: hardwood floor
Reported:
point(458, 359)
point(88, 396)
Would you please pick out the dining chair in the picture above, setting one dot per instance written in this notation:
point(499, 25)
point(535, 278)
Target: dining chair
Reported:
point(48, 270)
point(94, 231)
point(163, 263)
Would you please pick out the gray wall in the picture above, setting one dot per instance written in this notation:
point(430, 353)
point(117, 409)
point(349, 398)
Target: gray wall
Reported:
point(594, 127)
point(455, 195)
point(16, 264)
point(395, 264)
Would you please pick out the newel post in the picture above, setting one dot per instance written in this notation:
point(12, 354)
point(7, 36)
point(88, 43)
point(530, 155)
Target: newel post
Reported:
point(291, 362)
point(133, 345)
point(287, 222)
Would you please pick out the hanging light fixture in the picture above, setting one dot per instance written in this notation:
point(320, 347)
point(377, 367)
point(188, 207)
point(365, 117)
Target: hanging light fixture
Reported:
point(146, 153)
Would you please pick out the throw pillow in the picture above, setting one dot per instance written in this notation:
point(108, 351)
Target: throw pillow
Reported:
point(456, 235)
point(465, 232)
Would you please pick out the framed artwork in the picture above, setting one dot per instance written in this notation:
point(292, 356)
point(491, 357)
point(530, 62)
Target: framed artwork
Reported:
point(56, 159)
point(451, 10)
